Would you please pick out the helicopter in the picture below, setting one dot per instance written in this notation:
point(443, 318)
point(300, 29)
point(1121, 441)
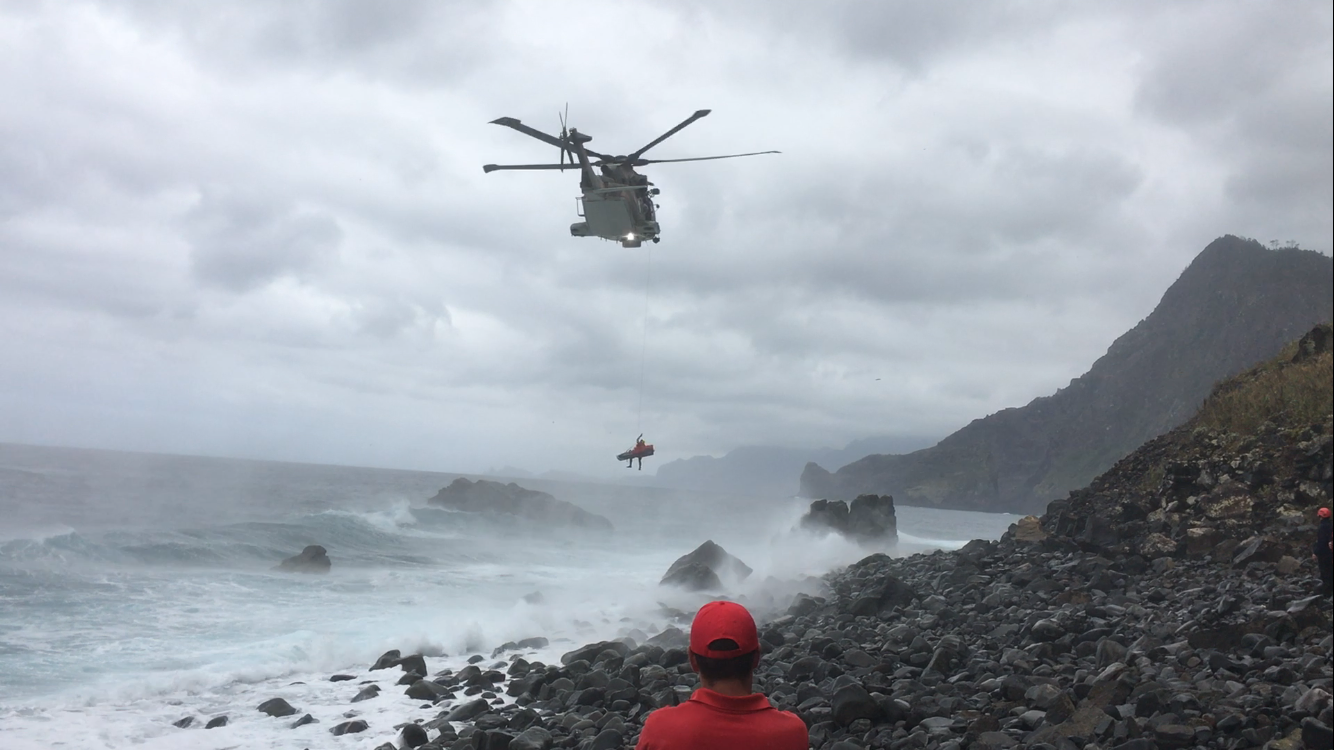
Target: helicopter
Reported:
point(616, 202)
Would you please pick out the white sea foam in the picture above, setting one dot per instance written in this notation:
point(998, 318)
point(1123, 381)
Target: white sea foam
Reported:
point(35, 534)
point(108, 637)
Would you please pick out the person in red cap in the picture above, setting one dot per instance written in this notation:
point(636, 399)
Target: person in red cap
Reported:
point(724, 713)
point(1323, 552)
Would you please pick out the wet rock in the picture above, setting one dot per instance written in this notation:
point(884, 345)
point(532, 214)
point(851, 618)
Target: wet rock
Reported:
point(868, 518)
point(413, 663)
point(1316, 734)
point(532, 738)
point(216, 721)
point(342, 678)
point(1032, 719)
point(1312, 702)
point(371, 691)
point(276, 707)
point(692, 576)
point(803, 604)
point(1042, 696)
point(426, 690)
point(304, 720)
point(312, 559)
point(704, 568)
point(349, 727)
point(607, 739)
point(386, 660)
point(852, 702)
point(1046, 630)
point(413, 735)
point(995, 741)
point(468, 711)
point(184, 723)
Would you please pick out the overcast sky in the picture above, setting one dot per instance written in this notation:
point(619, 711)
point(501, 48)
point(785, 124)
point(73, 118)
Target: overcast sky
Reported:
point(261, 229)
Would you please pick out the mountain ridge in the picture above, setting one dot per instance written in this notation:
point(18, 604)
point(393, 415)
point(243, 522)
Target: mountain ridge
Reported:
point(1236, 304)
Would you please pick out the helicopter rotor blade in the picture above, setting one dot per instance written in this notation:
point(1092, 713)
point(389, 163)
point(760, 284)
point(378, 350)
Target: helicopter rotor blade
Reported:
point(564, 145)
point(642, 162)
point(489, 168)
point(564, 131)
point(700, 113)
point(514, 124)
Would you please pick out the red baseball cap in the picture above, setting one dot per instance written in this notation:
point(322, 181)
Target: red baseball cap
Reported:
point(1323, 513)
point(719, 620)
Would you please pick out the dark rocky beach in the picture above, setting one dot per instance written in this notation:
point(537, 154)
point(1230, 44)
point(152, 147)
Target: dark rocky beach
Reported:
point(1172, 603)
point(1016, 643)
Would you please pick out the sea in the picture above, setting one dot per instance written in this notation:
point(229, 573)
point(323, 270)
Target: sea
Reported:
point(139, 589)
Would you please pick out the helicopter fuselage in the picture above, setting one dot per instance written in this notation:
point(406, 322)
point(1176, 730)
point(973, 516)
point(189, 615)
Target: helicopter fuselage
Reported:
point(618, 213)
point(617, 203)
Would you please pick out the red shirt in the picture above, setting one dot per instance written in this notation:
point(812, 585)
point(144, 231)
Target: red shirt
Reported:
point(713, 721)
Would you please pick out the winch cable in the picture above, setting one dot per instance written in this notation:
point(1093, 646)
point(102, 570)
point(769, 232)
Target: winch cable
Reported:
point(643, 344)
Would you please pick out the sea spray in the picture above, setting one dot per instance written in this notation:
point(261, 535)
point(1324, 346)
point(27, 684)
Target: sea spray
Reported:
point(127, 611)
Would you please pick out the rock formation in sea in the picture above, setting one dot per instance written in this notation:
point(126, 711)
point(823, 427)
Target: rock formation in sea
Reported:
point(1236, 304)
point(312, 559)
point(869, 518)
point(511, 500)
point(705, 569)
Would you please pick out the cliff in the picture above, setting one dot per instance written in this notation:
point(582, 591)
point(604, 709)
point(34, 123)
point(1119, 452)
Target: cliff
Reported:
point(1235, 305)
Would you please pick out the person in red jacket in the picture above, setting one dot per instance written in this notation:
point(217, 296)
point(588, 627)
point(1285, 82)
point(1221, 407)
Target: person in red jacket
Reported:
point(724, 713)
point(1323, 552)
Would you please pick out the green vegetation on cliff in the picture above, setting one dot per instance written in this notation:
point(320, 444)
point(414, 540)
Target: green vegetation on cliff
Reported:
point(1294, 389)
point(1238, 482)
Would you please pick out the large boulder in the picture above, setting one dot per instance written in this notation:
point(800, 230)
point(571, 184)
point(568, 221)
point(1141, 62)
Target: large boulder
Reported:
point(705, 568)
point(1029, 530)
point(496, 499)
point(313, 559)
point(869, 518)
point(277, 707)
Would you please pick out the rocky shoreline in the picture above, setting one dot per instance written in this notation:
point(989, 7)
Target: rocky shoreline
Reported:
point(998, 645)
point(1171, 604)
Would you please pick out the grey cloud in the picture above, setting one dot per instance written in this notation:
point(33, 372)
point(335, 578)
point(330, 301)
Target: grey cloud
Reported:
point(910, 35)
point(1252, 91)
point(1214, 65)
point(278, 211)
point(240, 242)
point(416, 42)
